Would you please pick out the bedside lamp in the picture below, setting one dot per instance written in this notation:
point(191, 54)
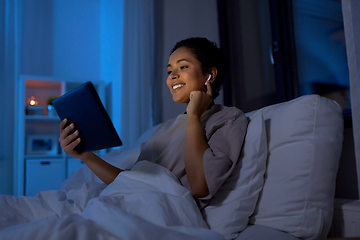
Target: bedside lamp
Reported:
point(32, 101)
point(33, 108)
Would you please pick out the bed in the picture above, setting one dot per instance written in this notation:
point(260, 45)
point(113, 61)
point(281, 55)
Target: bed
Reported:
point(282, 188)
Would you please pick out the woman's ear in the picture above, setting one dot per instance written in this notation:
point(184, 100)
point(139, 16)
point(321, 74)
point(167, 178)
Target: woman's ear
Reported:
point(213, 72)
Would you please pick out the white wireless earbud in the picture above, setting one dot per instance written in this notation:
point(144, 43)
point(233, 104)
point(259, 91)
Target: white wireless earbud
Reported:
point(208, 79)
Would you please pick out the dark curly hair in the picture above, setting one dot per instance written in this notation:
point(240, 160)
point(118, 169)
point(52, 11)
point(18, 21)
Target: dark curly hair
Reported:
point(209, 55)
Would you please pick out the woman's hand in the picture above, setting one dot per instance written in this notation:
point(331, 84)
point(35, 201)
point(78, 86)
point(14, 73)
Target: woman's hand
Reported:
point(200, 101)
point(68, 141)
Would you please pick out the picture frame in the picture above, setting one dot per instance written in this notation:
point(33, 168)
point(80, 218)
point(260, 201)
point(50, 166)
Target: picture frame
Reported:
point(46, 144)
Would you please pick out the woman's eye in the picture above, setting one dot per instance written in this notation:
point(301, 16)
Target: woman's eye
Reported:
point(183, 67)
point(169, 72)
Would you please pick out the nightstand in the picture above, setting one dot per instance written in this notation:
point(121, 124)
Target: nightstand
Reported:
point(346, 219)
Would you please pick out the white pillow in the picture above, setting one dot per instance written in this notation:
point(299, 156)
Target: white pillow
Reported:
point(304, 144)
point(145, 136)
point(235, 201)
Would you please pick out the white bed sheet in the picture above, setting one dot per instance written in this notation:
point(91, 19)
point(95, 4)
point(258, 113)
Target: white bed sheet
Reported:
point(147, 202)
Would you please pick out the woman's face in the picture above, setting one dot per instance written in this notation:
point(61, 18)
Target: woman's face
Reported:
point(185, 75)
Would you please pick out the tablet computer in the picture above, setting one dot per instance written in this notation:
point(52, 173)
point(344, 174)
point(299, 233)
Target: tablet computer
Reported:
point(83, 107)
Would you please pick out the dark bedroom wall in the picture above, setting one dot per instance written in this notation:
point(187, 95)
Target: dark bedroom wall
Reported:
point(179, 20)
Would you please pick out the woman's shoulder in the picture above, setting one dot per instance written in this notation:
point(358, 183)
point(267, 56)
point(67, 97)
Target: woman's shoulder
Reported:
point(232, 110)
point(224, 114)
point(228, 112)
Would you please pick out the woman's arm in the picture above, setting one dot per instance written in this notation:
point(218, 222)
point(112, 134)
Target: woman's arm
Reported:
point(103, 170)
point(195, 142)
point(195, 147)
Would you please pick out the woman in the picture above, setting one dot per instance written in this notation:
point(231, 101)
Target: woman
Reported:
point(201, 146)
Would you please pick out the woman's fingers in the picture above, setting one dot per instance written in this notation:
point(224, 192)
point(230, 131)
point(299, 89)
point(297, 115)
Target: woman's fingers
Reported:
point(199, 102)
point(68, 140)
point(72, 145)
point(66, 131)
point(62, 125)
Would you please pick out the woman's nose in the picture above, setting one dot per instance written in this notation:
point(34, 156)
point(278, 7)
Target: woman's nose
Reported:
point(174, 75)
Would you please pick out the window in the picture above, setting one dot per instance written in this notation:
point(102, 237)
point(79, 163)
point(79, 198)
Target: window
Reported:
point(320, 50)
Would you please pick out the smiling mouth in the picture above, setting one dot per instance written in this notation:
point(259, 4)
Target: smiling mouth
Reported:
point(177, 86)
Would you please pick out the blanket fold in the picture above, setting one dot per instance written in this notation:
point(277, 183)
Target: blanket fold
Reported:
point(147, 202)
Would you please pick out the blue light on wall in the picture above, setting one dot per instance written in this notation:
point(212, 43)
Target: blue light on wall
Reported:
point(62, 39)
point(320, 44)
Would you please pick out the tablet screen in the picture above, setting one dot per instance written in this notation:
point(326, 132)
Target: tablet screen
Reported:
point(83, 107)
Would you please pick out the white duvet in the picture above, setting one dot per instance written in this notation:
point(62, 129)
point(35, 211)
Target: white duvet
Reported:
point(147, 202)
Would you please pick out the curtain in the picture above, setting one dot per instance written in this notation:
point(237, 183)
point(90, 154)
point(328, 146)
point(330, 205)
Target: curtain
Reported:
point(249, 83)
point(138, 69)
point(351, 15)
point(8, 69)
